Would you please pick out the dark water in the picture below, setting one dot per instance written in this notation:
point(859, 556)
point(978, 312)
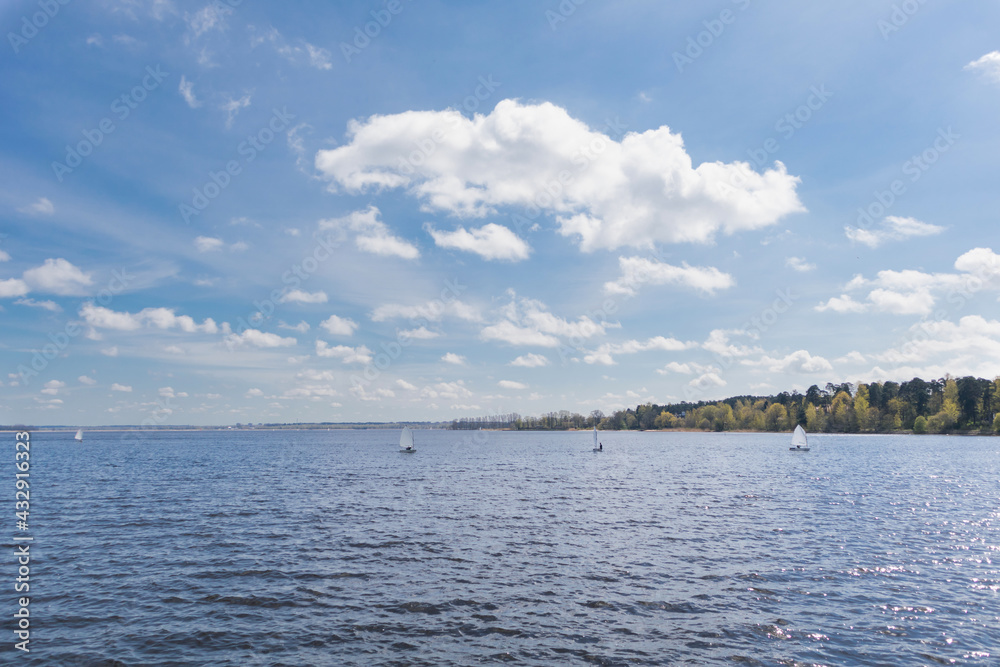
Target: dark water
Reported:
point(332, 548)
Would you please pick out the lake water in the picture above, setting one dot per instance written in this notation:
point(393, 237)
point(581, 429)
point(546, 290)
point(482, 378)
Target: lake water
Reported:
point(332, 548)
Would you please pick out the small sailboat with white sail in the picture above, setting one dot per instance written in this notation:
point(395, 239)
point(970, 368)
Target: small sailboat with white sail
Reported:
point(406, 441)
point(79, 435)
point(799, 441)
point(598, 446)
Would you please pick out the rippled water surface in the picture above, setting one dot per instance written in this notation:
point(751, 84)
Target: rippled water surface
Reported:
point(332, 548)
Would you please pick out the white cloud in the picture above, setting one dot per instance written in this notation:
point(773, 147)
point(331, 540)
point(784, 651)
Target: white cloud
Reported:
point(708, 380)
point(46, 305)
point(491, 241)
point(41, 206)
point(254, 392)
point(844, 303)
point(911, 292)
point(57, 276)
point(433, 311)
point(339, 326)
point(452, 358)
point(420, 333)
point(508, 332)
point(450, 390)
point(232, 108)
point(637, 271)
point(52, 387)
point(852, 357)
point(4, 257)
point(258, 338)
point(346, 354)
point(528, 322)
point(301, 327)
point(530, 361)
point(83, 379)
point(510, 384)
point(110, 351)
point(403, 384)
point(893, 229)
point(932, 348)
point(799, 361)
point(13, 287)
point(638, 191)
point(186, 89)
point(988, 64)
point(687, 368)
point(208, 244)
point(121, 387)
point(301, 296)
point(158, 318)
point(718, 343)
point(605, 353)
point(371, 234)
point(210, 17)
point(799, 264)
point(318, 57)
point(174, 349)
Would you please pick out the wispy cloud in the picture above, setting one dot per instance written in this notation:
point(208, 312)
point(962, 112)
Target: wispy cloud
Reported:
point(893, 229)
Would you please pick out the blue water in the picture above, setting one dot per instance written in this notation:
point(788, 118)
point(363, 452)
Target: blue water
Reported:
point(332, 548)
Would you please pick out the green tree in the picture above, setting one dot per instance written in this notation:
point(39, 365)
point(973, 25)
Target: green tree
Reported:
point(776, 417)
point(920, 425)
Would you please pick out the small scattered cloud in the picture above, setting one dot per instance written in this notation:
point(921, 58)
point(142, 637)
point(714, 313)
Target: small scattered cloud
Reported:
point(186, 89)
point(799, 264)
point(530, 361)
point(844, 303)
point(371, 234)
point(452, 358)
point(41, 206)
point(58, 276)
point(510, 384)
point(491, 242)
point(894, 228)
point(121, 387)
point(301, 327)
point(233, 106)
point(52, 387)
point(257, 338)
point(639, 271)
point(605, 353)
point(301, 296)
point(989, 65)
point(208, 244)
point(420, 333)
point(89, 381)
point(346, 354)
point(45, 305)
point(339, 326)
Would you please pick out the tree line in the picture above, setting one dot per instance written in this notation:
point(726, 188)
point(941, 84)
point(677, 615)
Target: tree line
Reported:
point(945, 405)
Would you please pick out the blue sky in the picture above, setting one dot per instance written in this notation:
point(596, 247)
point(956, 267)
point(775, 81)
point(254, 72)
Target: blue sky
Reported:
point(220, 212)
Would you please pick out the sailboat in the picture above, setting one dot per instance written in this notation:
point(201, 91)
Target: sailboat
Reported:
point(598, 447)
point(406, 441)
point(79, 435)
point(799, 441)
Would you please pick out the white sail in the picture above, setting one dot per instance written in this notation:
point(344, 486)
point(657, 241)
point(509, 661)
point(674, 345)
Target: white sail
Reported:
point(79, 434)
point(406, 438)
point(595, 436)
point(799, 437)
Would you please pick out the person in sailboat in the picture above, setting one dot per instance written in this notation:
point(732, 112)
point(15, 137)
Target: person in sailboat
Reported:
point(600, 446)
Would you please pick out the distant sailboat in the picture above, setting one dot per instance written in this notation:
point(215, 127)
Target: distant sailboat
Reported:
point(79, 435)
point(598, 447)
point(406, 441)
point(799, 441)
